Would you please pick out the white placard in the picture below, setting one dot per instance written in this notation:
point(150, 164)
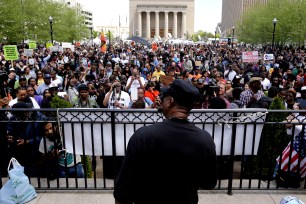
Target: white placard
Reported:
point(28, 52)
point(66, 45)
point(250, 56)
point(269, 57)
point(31, 61)
point(72, 48)
point(134, 93)
point(97, 131)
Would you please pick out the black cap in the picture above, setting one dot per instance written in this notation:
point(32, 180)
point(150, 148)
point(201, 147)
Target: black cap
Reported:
point(83, 87)
point(22, 78)
point(183, 92)
point(21, 104)
point(47, 76)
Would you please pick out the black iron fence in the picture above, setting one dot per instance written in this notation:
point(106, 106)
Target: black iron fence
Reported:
point(257, 149)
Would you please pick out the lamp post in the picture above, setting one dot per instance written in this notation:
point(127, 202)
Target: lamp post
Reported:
point(233, 37)
point(51, 31)
point(274, 25)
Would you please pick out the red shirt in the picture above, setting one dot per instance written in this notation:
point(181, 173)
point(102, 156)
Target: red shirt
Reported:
point(151, 95)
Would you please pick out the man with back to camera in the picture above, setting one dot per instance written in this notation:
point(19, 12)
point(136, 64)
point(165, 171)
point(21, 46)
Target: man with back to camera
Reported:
point(169, 161)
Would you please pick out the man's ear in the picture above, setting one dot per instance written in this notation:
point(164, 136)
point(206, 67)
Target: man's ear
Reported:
point(171, 101)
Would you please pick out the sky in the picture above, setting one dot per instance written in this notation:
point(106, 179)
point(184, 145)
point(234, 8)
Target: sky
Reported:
point(106, 12)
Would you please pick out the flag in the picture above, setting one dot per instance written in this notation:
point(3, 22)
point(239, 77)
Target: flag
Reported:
point(297, 157)
point(103, 42)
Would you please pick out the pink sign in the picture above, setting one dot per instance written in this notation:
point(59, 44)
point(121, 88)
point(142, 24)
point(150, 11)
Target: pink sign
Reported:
point(250, 56)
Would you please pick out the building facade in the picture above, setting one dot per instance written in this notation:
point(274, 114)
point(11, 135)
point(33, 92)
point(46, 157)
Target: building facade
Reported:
point(81, 10)
point(157, 18)
point(232, 10)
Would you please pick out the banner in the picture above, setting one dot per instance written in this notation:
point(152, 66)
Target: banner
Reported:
point(10, 52)
point(250, 56)
point(32, 45)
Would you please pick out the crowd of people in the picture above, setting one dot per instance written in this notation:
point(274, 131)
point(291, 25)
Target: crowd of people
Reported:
point(132, 77)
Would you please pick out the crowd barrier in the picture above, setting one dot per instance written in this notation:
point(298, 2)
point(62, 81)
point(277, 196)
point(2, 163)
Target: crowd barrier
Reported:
point(100, 137)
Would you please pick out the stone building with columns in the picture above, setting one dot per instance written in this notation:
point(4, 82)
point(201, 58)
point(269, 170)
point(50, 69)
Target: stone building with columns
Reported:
point(159, 17)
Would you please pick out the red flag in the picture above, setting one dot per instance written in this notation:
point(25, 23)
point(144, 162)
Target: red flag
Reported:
point(103, 42)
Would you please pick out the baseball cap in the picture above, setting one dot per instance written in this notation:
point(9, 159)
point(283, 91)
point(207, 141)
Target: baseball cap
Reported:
point(12, 69)
point(183, 93)
point(47, 76)
point(22, 78)
point(83, 87)
point(200, 81)
point(255, 79)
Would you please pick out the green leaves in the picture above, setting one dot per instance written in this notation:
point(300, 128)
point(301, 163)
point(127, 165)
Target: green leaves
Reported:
point(29, 19)
point(256, 25)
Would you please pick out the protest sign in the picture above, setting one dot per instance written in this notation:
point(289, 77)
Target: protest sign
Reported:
point(32, 45)
point(66, 45)
point(166, 80)
point(268, 57)
point(198, 63)
point(28, 52)
point(10, 52)
point(250, 56)
point(48, 45)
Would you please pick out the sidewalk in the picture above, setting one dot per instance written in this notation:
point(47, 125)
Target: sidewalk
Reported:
point(205, 197)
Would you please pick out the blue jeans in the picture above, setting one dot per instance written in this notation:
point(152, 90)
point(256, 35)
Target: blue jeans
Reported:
point(71, 172)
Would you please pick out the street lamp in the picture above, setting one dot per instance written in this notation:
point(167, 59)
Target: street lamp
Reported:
point(233, 37)
point(274, 24)
point(51, 31)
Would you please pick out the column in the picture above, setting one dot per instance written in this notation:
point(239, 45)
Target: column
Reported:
point(175, 24)
point(184, 24)
point(157, 23)
point(148, 25)
point(166, 25)
point(139, 25)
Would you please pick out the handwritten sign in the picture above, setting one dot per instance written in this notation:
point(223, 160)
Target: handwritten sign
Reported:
point(10, 52)
point(166, 80)
point(250, 56)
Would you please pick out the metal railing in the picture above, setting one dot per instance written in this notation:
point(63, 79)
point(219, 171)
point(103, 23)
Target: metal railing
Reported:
point(248, 142)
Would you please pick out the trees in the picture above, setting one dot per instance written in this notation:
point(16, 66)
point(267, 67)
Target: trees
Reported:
point(28, 19)
point(256, 24)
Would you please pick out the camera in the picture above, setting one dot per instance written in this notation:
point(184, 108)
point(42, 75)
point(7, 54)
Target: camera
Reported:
point(212, 88)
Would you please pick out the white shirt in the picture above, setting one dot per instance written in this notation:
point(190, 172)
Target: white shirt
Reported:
point(15, 100)
point(231, 75)
point(123, 99)
point(266, 84)
point(135, 83)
